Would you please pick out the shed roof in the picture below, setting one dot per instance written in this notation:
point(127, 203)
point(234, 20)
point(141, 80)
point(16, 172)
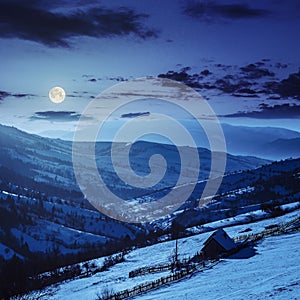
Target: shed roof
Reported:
point(223, 239)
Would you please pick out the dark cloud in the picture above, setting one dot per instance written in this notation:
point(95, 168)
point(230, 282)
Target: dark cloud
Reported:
point(211, 10)
point(134, 115)
point(19, 19)
point(4, 94)
point(117, 78)
point(22, 95)
point(254, 71)
point(61, 116)
point(92, 78)
point(251, 80)
point(282, 111)
point(289, 87)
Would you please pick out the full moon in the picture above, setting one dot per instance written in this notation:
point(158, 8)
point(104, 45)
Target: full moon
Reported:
point(57, 94)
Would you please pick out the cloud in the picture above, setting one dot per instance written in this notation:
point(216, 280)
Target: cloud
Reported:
point(211, 10)
point(92, 78)
point(61, 116)
point(4, 94)
point(22, 95)
point(251, 80)
point(278, 111)
point(19, 19)
point(134, 115)
point(117, 78)
point(289, 87)
point(254, 71)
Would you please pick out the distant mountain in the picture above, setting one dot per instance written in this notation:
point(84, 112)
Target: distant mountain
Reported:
point(46, 164)
point(240, 140)
point(282, 147)
point(266, 142)
point(41, 203)
point(38, 163)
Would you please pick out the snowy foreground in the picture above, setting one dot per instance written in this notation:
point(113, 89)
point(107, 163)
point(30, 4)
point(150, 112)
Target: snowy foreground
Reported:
point(272, 273)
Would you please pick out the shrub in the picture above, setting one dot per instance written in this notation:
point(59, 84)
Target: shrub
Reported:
point(105, 293)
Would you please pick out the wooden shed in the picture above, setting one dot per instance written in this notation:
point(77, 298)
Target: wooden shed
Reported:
point(218, 243)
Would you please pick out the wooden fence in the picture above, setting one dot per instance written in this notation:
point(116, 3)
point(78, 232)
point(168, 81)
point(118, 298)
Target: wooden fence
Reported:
point(189, 269)
point(283, 228)
point(147, 270)
point(142, 288)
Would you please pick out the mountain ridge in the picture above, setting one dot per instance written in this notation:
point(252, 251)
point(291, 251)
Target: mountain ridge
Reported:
point(49, 161)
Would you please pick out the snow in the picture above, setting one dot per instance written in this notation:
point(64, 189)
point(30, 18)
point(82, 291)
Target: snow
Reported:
point(240, 222)
point(87, 288)
point(256, 227)
point(47, 235)
point(67, 228)
point(273, 272)
point(6, 252)
point(223, 239)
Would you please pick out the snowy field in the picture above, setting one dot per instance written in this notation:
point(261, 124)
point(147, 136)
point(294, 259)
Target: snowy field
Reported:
point(272, 272)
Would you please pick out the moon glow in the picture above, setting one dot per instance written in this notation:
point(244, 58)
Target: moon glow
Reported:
point(57, 94)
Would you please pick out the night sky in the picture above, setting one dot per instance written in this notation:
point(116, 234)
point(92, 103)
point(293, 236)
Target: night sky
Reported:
point(87, 46)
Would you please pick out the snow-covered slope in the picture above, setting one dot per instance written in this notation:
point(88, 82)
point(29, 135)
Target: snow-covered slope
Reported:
point(35, 225)
point(31, 225)
point(256, 277)
point(35, 221)
point(46, 164)
point(271, 274)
